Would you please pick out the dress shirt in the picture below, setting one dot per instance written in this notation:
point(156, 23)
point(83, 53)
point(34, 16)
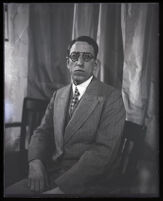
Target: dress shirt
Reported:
point(81, 87)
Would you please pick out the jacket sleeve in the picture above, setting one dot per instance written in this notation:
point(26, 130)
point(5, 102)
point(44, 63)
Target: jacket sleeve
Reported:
point(42, 138)
point(103, 152)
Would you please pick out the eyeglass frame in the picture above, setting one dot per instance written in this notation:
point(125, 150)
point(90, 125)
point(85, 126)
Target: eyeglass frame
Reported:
point(79, 53)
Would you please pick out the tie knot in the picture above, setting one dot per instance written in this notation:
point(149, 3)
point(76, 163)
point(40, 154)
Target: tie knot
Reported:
point(76, 92)
point(74, 101)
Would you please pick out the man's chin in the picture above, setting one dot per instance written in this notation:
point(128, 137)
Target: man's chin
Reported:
point(78, 79)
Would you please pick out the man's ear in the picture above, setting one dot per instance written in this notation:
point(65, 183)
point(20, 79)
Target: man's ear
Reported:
point(67, 62)
point(96, 67)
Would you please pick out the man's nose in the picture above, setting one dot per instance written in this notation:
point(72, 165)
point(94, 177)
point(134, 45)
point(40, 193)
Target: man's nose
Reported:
point(80, 61)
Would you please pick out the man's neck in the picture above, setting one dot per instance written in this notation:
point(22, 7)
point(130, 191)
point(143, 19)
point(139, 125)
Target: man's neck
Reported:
point(78, 84)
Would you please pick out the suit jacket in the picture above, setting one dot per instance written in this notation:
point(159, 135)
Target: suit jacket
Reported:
point(89, 144)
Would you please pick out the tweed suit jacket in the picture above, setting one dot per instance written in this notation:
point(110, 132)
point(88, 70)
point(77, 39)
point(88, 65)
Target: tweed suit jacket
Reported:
point(89, 144)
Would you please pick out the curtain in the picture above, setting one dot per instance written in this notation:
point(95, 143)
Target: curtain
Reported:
point(110, 44)
point(140, 84)
point(85, 20)
point(140, 79)
point(50, 30)
point(15, 69)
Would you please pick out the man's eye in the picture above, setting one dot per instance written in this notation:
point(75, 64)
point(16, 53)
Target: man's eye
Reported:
point(87, 57)
point(74, 56)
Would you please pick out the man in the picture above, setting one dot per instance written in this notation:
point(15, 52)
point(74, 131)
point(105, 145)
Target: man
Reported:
point(79, 138)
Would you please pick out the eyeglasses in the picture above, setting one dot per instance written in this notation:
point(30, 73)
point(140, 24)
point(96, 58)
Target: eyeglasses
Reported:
point(74, 56)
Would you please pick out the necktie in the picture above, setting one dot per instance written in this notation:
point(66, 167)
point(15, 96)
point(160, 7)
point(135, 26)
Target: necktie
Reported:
point(74, 101)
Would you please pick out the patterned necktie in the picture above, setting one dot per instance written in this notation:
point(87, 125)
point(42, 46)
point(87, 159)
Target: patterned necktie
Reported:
point(74, 101)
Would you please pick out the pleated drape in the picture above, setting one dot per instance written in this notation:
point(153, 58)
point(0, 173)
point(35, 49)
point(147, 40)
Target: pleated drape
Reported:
point(140, 69)
point(50, 30)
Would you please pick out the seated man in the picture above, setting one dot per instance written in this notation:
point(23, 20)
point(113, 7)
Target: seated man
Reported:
point(79, 138)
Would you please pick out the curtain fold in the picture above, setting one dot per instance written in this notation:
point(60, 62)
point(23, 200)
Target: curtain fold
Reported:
point(15, 70)
point(140, 80)
point(50, 30)
point(134, 17)
point(85, 19)
point(110, 44)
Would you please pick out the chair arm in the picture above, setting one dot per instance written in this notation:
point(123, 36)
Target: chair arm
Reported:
point(13, 124)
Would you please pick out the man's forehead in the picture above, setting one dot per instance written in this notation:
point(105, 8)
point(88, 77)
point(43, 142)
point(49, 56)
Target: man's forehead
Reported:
point(81, 46)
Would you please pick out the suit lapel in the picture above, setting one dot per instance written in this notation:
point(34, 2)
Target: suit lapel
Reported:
point(85, 107)
point(60, 108)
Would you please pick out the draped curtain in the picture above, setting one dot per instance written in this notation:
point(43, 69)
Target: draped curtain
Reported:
point(127, 35)
point(50, 30)
point(15, 69)
point(140, 68)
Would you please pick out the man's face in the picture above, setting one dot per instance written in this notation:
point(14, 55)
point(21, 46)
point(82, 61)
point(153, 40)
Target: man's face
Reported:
point(82, 64)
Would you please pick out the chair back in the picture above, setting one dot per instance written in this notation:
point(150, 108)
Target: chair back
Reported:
point(33, 111)
point(132, 146)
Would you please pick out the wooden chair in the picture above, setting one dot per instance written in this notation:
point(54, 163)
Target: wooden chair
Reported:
point(125, 181)
point(15, 163)
point(131, 154)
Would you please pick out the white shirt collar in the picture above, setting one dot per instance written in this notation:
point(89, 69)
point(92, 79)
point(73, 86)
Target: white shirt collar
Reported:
point(82, 87)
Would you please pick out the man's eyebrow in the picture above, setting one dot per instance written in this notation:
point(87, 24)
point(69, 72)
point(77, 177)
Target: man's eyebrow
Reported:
point(81, 52)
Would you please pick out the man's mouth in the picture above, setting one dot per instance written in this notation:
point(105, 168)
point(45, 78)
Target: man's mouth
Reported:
point(79, 70)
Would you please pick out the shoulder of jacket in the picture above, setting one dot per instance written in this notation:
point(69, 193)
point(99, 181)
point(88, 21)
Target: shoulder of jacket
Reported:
point(109, 90)
point(61, 89)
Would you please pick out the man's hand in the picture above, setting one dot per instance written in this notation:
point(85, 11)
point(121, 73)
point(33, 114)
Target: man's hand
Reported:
point(37, 178)
point(56, 190)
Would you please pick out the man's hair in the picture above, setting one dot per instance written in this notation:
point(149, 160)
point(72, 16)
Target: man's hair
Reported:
point(87, 39)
